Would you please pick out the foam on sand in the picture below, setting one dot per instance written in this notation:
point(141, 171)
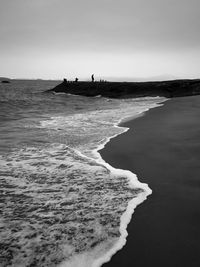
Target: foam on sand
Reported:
point(104, 252)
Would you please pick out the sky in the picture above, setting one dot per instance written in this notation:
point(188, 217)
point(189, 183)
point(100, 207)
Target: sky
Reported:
point(116, 39)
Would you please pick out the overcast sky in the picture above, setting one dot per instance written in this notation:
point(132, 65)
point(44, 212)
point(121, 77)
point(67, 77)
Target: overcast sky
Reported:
point(111, 38)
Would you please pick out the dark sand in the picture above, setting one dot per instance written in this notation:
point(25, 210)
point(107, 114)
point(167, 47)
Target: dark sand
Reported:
point(163, 149)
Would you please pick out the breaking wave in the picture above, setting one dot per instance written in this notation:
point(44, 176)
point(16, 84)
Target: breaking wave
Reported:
point(62, 204)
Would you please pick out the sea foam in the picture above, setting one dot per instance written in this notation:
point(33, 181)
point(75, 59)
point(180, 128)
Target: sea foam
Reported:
point(103, 252)
point(64, 204)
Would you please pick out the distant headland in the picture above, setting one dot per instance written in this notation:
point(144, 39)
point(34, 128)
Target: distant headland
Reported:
point(169, 89)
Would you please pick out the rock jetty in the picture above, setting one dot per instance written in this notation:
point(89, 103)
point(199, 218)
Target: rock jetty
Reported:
point(174, 88)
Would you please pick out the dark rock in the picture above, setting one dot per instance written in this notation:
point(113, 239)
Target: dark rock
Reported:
point(174, 88)
point(5, 81)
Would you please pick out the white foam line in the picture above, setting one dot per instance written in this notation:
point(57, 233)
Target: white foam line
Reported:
point(63, 93)
point(127, 215)
point(134, 183)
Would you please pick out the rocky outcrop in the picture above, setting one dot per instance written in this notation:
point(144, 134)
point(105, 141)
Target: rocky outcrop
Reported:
point(5, 81)
point(175, 88)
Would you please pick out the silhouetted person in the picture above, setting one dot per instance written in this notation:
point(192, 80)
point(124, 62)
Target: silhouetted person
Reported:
point(76, 80)
point(92, 77)
point(64, 80)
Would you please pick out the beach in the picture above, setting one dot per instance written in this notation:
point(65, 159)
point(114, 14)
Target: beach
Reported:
point(163, 149)
point(60, 202)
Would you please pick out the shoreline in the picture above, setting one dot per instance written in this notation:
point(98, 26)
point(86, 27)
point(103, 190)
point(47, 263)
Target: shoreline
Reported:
point(92, 258)
point(145, 244)
point(134, 183)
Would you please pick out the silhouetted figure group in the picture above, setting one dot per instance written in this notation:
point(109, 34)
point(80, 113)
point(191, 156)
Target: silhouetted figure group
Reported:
point(65, 81)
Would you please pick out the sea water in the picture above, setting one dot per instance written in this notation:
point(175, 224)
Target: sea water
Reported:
point(61, 204)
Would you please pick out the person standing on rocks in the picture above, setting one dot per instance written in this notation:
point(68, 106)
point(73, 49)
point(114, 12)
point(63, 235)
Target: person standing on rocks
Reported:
point(92, 77)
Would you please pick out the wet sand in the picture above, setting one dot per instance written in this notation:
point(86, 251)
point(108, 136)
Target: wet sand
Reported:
point(163, 149)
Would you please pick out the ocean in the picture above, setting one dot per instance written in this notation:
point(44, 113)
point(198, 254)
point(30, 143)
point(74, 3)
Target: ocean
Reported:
point(61, 204)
